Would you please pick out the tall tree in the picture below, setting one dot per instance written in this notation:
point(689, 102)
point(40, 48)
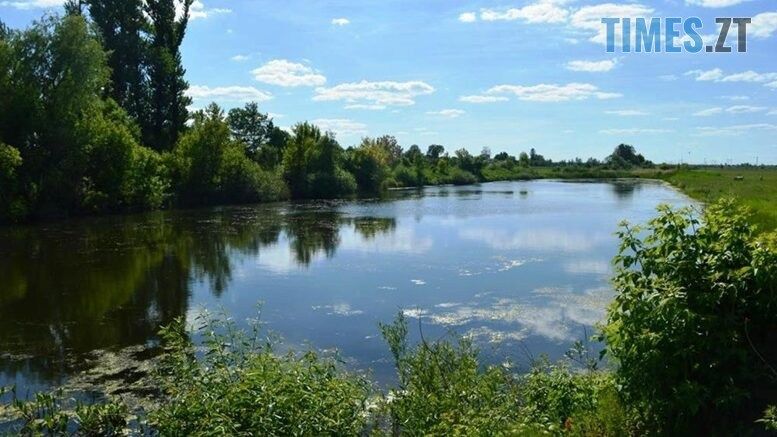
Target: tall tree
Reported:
point(168, 113)
point(123, 28)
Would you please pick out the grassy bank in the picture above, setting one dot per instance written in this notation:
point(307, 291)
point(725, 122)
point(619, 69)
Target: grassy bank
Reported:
point(754, 188)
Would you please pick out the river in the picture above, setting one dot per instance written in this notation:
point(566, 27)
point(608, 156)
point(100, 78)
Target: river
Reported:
point(522, 268)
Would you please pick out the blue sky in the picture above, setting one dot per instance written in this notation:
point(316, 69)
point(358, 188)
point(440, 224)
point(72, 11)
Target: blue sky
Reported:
point(509, 75)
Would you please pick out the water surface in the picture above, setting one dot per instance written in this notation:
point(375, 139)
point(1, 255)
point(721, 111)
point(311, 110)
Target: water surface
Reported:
point(522, 268)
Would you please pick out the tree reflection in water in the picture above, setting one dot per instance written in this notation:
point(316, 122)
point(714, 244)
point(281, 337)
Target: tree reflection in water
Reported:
point(75, 287)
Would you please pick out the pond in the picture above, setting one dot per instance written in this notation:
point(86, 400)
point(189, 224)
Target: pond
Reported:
point(520, 267)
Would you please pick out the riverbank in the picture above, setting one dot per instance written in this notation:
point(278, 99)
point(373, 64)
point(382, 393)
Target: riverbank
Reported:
point(754, 188)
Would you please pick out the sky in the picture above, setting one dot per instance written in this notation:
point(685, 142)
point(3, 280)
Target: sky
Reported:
point(505, 74)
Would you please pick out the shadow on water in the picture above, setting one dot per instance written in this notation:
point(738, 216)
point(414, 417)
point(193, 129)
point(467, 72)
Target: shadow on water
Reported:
point(71, 288)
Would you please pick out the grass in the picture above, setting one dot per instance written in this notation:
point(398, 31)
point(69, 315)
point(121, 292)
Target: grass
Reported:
point(756, 190)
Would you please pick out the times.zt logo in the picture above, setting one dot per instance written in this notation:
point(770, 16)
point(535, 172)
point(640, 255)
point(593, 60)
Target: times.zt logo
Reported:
point(671, 35)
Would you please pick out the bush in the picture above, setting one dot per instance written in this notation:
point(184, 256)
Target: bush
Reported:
point(12, 207)
point(457, 176)
point(692, 325)
point(443, 391)
point(239, 387)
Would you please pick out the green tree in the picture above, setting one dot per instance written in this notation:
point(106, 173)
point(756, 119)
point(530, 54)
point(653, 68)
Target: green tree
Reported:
point(693, 323)
point(312, 164)
point(123, 28)
point(251, 127)
point(168, 113)
point(434, 152)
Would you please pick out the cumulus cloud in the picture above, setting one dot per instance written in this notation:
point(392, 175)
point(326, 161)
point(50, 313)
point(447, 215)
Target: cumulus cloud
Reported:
point(198, 11)
point(714, 3)
point(240, 58)
point(553, 92)
point(341, 126)
point(745, 109)
point(482, 99)
point(763, 25)
point(635, 131)
point(468, 17)
point(627, 112)
point(592, 66)
point(589, 18)
point(448, 113)
point(737, 129)
point(228, 93)
point(385, 93)
point(708, 112)
point(341, 21)
point(285, 73)
point(543, 11)
point(717, 75)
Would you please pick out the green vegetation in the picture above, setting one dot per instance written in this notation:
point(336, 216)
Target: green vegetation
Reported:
point(752, 187)
point(688, 336)
point(691, 327)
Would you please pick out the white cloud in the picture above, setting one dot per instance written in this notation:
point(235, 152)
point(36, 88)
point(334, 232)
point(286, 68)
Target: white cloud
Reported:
point(627, 112)
point(341, 21)
point(668, 77)
point(589, 18)
point(772, 112)
point(738, 129)
point(448, 113)
point(708, 112)
point(366, 107)
point(552, 92)
point(228, 93)
point(745, 109)
point(544, 11)
point(32, 4)
point(482, 99)
point(288, 74)
point(763, 25)
point(717, 75)
point(592, 66)
point(198, 10)
point(705, 75)
point(635, 131)
point(341, 126)
point(240, 58)
point(468, 17)
point(385, 93)
point(714, 3)
point(735, 98)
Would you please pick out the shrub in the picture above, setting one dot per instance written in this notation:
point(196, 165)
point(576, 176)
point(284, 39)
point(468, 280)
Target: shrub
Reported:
point(443, 391)
point(692, 325)
point(239, 387)
point(457, 176)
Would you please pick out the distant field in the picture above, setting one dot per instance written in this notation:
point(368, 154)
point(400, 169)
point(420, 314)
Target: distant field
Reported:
point(757, 189)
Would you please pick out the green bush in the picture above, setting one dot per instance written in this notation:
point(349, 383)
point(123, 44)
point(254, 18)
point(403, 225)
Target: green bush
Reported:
point(693, 323)
point(457, 176)
point(239, 387)
point(443, 390)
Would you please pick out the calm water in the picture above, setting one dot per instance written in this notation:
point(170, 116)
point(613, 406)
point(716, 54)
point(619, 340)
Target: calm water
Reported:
point(521, 267)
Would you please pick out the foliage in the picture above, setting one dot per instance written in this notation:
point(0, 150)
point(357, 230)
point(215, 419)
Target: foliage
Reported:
point(209, 166)
point(49, 414)
point(691, 325)
point(312, 164)
point(625, 156)
point(442, 390)
point(240, 387)
point(168, 101)
point(264, 142)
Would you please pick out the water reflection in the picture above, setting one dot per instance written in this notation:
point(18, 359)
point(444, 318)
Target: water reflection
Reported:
point(109, 283)
point(503, 263)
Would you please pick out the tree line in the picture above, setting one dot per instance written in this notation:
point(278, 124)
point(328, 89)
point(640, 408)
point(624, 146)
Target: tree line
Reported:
point(94, 119)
